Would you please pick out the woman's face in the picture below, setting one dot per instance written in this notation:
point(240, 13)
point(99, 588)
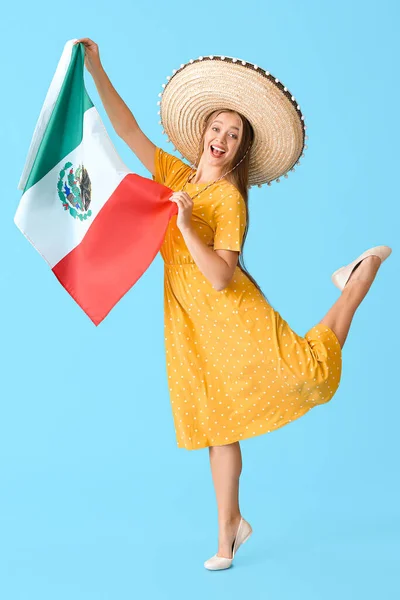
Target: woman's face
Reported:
point(224, 132)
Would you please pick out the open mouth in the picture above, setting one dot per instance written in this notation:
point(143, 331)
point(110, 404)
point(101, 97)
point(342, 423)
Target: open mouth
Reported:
point(215, 152)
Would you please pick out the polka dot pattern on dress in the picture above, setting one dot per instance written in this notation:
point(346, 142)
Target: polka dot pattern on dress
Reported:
point(235, 367)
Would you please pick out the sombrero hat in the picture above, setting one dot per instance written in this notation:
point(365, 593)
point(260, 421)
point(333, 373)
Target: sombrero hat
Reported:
point(210, 83)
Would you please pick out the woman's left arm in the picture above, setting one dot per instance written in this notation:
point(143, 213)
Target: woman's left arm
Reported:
point(215, 268)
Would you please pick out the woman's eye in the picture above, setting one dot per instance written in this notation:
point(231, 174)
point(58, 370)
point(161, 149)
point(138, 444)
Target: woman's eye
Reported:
point(235, 136)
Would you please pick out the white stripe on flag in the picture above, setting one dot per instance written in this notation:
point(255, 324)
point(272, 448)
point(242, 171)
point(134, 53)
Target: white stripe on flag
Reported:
point(40, 215)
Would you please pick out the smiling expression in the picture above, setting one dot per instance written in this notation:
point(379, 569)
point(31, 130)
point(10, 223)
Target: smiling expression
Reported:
point(224, 132)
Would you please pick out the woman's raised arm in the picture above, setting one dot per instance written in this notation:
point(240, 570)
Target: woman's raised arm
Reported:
point(122, 119)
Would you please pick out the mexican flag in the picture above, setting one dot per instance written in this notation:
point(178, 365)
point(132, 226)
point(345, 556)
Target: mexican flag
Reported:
point(98, 225)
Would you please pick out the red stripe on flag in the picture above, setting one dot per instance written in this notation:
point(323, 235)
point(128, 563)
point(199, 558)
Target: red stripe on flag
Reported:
point(119, 246)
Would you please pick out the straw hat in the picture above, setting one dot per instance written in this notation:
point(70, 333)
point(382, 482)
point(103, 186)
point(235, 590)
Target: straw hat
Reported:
point(210, 83)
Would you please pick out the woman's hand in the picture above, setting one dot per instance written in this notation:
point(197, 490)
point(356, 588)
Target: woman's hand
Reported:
point(92, 56)
point(185, 208)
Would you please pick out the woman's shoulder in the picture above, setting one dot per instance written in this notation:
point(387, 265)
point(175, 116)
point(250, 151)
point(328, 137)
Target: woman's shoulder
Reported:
point(169, 169)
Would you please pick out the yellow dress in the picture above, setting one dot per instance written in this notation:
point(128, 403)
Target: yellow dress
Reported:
point(235, 368)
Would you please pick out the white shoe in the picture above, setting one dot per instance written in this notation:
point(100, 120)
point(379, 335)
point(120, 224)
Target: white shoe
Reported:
point(342, 275)
point(215, 563)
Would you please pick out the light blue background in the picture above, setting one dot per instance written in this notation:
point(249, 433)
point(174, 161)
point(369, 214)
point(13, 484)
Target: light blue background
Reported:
point(96, 500)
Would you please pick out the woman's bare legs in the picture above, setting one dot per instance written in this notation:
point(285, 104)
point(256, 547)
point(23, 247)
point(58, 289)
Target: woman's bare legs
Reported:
point(340, 316)
point(226, 467)
point(226, 461)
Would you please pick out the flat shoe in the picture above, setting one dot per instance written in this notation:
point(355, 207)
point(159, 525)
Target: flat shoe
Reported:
point(216, 563)
point(342, 275)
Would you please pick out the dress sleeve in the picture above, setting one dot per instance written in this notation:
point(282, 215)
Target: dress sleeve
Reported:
point(166, 166)
point(230, 222)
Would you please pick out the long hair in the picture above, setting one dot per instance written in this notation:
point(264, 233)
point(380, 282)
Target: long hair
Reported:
point(239, 177)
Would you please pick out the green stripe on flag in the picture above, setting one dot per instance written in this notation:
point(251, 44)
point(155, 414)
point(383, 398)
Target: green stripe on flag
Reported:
point(64, 130)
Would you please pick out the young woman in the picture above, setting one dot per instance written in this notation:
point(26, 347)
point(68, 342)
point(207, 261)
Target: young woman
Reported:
point(235, 367)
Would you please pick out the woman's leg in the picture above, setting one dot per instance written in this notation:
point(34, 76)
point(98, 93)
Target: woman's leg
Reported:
point(226, 467)
point(226, 461)
point(340, 316)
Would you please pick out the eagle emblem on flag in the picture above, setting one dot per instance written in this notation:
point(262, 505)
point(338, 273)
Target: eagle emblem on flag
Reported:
point(74, 191)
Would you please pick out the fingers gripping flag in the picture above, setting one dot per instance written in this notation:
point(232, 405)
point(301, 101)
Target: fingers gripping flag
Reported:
point(98, 225)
